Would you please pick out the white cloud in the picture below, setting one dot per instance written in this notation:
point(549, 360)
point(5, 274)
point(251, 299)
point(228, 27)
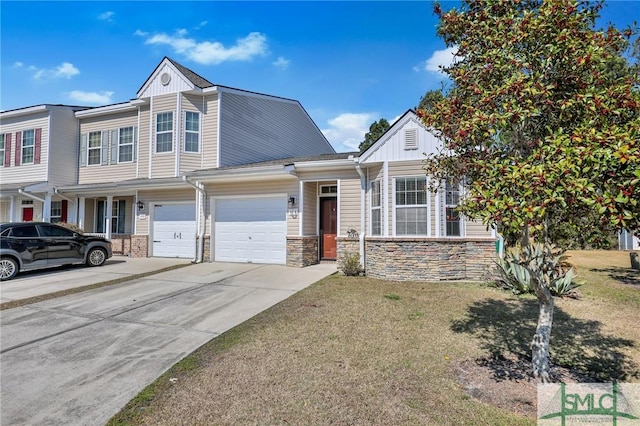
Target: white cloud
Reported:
point(106, 16)
point(281, 63)
point(439, 58)
point(201, 24)
point(65, 70)
point(97, 98)
point(347, 130)
point(17, 65)
point(208, 52)
point(141, 33)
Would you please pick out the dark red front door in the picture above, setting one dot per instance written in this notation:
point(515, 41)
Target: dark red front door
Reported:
point(27, 214)
point(328, 227)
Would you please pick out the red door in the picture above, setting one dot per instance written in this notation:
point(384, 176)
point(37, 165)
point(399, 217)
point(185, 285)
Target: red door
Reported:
point(328, 227)
point(27, 214)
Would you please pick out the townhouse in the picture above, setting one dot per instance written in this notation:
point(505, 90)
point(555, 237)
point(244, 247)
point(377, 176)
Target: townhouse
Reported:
point(197, 170)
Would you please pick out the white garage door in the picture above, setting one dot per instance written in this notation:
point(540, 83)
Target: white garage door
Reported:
point(174, 230)
point(251, 230)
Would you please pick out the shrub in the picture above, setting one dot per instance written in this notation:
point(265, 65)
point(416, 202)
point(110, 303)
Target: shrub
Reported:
point(71, 226)
point(514, 276)
point(350, 265)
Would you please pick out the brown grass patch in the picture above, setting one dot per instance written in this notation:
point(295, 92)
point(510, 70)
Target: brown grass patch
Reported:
point(344, 352)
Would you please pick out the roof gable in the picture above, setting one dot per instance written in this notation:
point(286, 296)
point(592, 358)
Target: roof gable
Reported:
point(407, 139)
point(171, 77)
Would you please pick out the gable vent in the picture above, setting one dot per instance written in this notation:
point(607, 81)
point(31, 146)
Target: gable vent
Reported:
point(411, 139)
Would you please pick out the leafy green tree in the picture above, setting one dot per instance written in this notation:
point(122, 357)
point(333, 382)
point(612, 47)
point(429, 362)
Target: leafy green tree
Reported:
point(540, 128)
point(430, 99)
point(376, 129)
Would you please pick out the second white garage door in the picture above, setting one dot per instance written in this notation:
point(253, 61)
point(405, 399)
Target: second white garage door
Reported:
point(251, 230)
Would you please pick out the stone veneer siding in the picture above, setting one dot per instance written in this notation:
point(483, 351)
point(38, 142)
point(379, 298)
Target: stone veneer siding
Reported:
point(302, 251)
point(139, 246)
point(347, 245)
point(429, 259)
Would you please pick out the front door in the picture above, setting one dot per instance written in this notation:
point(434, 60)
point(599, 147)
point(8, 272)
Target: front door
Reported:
point(328, 227)
point(27, 214)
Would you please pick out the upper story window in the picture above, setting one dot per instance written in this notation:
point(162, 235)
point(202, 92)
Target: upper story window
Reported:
point(94, 148)
point(2, 150)
point(192, 132)
point(411, 205)
point(28, 146)
point(452, 215)
point(376, 208)
point(125, 144)
point(164, 132)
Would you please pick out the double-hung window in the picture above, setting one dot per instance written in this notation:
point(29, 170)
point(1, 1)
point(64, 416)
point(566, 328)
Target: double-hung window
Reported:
point(411, 205)
point(192, 132)
point(2, 149)
point(56, 211)
point(452, 215)
point(125, 145)
point(28, 144)
point(376, 208)
point(94, 148)
point(164, 132)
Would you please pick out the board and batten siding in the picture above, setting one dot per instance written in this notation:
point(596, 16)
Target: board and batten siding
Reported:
point(164, 164)
point(259, 128)
point(394, 147)
point(108, 172)
point(26, 172)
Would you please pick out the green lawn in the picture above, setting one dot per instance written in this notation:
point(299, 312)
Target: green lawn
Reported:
point(364, 351)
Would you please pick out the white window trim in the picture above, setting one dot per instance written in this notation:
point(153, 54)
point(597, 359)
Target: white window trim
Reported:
point(89, 148)
point(379, 208)
point(395, 207)
point(132, 143)
point(3, 138)
point(198, 132)
point(444, 212)
point(156, 133)
point(24, 147)
point(52, 216)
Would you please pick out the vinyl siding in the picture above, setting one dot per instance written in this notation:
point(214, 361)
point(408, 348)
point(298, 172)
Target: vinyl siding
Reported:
point(373, 173)
point(164, 164)
point(256, 189)
point(64, 147)
point(144, 142)
point(210, 133)
point(26, 172)
point(5, 210)
point(112, 172)
point(190, 161)
point(349, 205)
point(476, 229)
point(257, 128)
point(310, 212)
point(401, 169)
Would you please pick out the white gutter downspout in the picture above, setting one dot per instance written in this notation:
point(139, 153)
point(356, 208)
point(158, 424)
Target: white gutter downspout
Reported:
point(55, 190)
point(363, 188)
point(201, 217)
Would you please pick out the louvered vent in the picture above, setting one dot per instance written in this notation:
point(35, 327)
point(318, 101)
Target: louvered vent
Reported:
point(411, 139)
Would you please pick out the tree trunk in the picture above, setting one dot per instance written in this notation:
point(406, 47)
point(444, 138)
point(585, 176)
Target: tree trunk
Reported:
point(540, 343)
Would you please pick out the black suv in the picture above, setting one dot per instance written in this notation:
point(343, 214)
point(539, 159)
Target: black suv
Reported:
point(32, 245)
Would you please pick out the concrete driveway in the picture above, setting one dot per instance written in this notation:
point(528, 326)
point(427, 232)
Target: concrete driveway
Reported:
point(76, 360)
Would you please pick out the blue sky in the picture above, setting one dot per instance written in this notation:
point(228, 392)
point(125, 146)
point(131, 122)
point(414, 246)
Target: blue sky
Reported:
point(348, 63)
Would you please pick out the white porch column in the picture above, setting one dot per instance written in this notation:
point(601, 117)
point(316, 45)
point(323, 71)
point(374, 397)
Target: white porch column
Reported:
point(300, 208)
point(108, 213)
point(81, 203)
point(12, 207)
point(46, 208)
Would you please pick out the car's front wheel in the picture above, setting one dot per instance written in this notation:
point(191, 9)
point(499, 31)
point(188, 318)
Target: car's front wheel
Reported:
point(8, 268)
point(96, 257)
